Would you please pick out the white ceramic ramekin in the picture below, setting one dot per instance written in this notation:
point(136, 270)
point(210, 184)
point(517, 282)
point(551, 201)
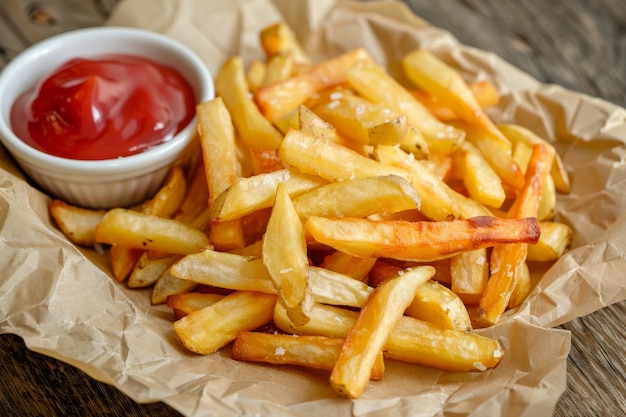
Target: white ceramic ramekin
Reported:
point(103, 183)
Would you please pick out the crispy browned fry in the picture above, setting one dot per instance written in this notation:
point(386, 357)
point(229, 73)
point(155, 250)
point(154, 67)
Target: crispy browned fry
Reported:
point(373, 327)
point(329, 160)
point(317, 352)
point(359, 197)
point(254, 130)
point(205, 331)
point(280, 98)
point(554, 240)
point(412, 340)
point(506, 260)
point(547, 204)
point(285, 257)
point(377, 86)
point(77, 223)
point(278, 39)
point(418, 241)
point(186, 303)
point(131, 229)
point(484, 92)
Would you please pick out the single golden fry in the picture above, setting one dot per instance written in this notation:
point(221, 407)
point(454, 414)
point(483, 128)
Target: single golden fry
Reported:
point(255, 74)
point(205, 331)
point(217, 138)
point(376, 85)
point(418, 241)
point(186, 303)
point(219, 150)
point(197, 198)
point(554, 240)
point(123, 260)
point(264, 161)
point(369, 335)
point(77, 223)
point(329, 160)
point(278, 68)
point(317, 352)
point(147, 271)
point(285, 257)
point(358, 197)
point(279, 39)
point(131, 229)
point(167, 285)
point(170, 196)
point(469, 272)
point(481, 181)
point(432, 74)
point(484, 92)
point(352, 266)
point(278, 99)
point(254, 130)
point(419, 342)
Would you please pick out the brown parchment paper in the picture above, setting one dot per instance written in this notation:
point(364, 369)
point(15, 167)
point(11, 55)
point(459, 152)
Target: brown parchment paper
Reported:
point(62, 301)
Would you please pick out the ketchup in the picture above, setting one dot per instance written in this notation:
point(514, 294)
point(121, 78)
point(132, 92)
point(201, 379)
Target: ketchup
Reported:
point(104, 108)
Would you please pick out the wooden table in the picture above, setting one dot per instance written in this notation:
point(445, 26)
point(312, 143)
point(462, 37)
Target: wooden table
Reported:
point(579, 44)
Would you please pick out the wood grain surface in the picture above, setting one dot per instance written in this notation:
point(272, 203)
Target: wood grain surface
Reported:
point(579, 44)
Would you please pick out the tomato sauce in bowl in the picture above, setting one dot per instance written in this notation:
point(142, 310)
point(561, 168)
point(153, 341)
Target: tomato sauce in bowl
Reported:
point(104, 108)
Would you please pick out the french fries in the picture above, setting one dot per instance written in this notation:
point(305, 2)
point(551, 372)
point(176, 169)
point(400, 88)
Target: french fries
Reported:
point(372, 220)
point(418, 241)
point(373, 327)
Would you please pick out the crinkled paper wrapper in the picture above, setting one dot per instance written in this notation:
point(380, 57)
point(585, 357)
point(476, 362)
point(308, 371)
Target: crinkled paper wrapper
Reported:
point(62, 301)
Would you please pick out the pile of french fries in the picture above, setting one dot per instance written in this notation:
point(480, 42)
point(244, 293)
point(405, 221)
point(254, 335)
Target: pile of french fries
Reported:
point(375, 221)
